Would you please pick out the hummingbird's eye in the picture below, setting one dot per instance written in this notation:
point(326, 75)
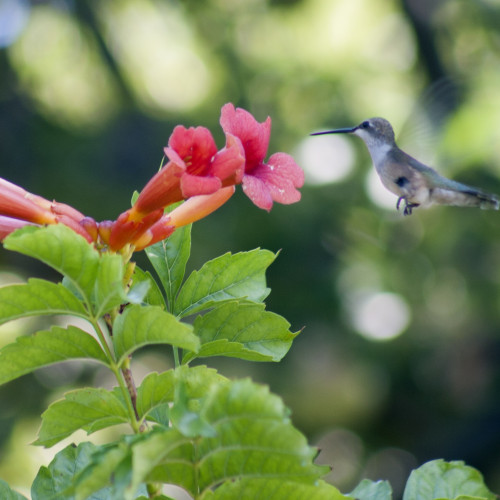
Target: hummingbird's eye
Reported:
point(365, 124)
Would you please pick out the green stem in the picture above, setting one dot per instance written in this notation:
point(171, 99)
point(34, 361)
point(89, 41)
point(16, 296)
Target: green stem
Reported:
point(176, 356)
point(124, 380)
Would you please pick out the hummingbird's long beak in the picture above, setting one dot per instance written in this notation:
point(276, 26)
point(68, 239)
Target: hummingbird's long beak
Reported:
point(337, 131)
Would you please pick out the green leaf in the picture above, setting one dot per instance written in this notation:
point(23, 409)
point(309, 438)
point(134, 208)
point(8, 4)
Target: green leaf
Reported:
point(242, 330)
point(84, 472)
point(8, 494)
point(88, 409)
point(108, 290)
point(45, 348)
point(60, 248)
point(446, 480)
point(188, 421)
point(172, 449)
point(53, 481)
point(254, 438)
point(37, 297)
point(169, 258)
point(144, 325)
point(273, 489)
point(225, 278)
point(152, 295)
point(159, 389)
point(372, 490)
point(109, 472)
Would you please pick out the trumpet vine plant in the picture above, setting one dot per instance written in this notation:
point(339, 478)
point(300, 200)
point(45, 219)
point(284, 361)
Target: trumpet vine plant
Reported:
point(218, 439)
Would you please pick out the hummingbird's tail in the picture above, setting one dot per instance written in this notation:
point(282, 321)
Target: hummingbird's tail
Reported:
point(486, 201)
point(462, 195)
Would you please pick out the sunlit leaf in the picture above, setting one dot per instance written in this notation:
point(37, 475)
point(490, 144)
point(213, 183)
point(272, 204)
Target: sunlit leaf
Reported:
point(150, 293)
point(273, 489)
point(46, 348)
point(446, 480)
point(88, 409)
point(138, 326)
point(227, 277)
point(254, 438)
point(108, 291)
point(108, 471)
point(83, 472)
point(6, 493)
point(242, 330)
point(372, 490)
point(169, 258)
point(60, 248)
point(158, 389)
point(37, 297)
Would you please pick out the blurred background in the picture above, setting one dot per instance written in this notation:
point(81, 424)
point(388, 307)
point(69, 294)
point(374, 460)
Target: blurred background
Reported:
point(399, 359)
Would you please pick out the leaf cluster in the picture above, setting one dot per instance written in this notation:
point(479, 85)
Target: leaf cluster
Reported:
point(191, 427)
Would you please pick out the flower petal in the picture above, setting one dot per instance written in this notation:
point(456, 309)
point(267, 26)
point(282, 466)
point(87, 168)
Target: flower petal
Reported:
point(229, 163)
point(163, 189)
point(8, 225)
point(195, 146)
point(285, 166)
point(254, 136)
point(257, 191)
point(194, 185)
point(199, 206)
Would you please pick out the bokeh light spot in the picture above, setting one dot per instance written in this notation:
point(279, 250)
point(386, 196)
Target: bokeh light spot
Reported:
point(381, 315)
point(325, 159)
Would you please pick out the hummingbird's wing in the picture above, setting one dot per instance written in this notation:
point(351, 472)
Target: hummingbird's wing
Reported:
point(422, 132)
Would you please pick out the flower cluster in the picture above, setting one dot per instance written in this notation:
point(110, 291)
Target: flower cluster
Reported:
point(196, 171)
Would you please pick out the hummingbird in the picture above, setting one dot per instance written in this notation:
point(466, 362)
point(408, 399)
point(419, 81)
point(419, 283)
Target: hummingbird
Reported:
point(414, 183)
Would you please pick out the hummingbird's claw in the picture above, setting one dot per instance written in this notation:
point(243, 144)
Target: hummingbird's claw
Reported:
point(408, 209)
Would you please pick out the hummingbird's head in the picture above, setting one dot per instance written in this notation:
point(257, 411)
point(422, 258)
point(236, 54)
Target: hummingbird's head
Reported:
point(374, 131)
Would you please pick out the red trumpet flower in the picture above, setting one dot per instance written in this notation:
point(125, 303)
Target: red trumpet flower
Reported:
point(263, 183)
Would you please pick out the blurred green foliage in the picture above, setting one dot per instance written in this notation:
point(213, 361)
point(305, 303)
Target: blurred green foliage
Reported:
point(89, 94)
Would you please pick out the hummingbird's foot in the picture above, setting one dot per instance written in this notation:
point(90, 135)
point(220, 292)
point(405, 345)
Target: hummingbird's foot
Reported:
point(408, 209)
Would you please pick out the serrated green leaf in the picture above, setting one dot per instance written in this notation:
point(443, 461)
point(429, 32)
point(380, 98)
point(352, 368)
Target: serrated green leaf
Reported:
point(88, 409)
point(242, 330)
point(52, 482)
point(45, 348)
point(186, 419)
point(169, 258)
point(372, 490)
point(144, 325)
point(60, 248)
point(228, 277)
point(83, 472)
point(273, 489)
point(152, 295)
point(171, 448)
point(108, 471)
point(6, 493)
point(445, 480)
point(254, 438)
point(159, 389)
point(37, 297)
point(108, 290)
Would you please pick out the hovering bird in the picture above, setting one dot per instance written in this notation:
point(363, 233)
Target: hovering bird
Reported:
point(413, 182)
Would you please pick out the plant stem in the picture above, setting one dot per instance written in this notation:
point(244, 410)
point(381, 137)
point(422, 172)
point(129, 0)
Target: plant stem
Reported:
point(176, 356)
point(123, 377)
